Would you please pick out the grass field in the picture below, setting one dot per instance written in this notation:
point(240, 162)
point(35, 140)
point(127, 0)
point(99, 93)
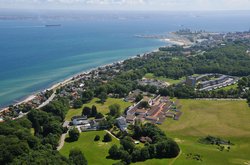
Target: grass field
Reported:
point(229, 120)
point(226, 119)
point(95, 152)
point(234, 86)
point(168, 80)
point(103, 108)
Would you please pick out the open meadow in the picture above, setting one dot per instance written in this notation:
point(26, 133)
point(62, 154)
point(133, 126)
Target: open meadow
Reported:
point(229, 120)
point(168, 80)
point(94, 151)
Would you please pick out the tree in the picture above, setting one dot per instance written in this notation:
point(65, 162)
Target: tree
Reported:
point(114, 152)
point(136, 155)
point(145, 153)
point(99, 115)
point(94, 111)
point(127, 144)
point(248, 98)
point(77, 104)
point(97, 138)
point(58, 108)
point(167, 149)
point(87, 96)
point(126, 157)
point(114, 110)
point(138, 98)
point(74, 134)
point(77, 157)
point(53, 127)
point(107, 138)
point(144, 104)
point(151, 149)
point(103, 97)
point(37, 127)
point(86, 111)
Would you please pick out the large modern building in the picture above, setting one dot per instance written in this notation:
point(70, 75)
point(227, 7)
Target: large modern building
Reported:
point(210, 81)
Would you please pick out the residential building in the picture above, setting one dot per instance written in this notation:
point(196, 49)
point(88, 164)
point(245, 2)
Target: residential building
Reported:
point(121, 122)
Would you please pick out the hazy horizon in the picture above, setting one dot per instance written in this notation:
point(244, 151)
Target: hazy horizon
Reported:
point(155, 5)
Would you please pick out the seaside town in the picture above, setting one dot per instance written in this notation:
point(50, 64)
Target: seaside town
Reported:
point(132, 101)
point(185, 42)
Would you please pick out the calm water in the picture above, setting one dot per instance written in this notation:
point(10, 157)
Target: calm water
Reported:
point(33, 57)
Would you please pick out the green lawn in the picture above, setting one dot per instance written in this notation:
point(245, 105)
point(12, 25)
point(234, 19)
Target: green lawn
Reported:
point(234, 86)
point(103, 108)
point(168, 80)
point(95, 152)
point(226, 119)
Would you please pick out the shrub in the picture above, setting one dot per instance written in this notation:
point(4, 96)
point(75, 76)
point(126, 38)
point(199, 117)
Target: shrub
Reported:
point(74, 134)
point(97, 138)
point(107, 138)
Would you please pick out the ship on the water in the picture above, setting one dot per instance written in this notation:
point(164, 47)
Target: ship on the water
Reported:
point(52, 25)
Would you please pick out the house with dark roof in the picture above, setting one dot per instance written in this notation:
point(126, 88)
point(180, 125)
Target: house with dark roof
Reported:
point(121, 122)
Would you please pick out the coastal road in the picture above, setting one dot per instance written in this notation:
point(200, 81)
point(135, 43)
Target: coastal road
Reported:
point(47, 101)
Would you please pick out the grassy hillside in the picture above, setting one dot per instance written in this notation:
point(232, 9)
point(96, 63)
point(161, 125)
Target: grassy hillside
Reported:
point(226, 119)
point(168, 80)
point(95, 152)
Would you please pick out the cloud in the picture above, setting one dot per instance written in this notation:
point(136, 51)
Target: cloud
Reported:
point(131, 4)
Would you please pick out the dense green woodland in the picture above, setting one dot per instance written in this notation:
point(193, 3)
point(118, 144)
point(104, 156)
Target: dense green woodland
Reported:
point(230, 59)
point(19, 146)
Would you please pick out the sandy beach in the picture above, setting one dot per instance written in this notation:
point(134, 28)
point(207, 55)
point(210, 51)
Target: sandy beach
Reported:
point(180, 42)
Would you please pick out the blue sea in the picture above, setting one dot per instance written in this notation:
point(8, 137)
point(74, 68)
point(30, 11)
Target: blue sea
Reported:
point(34, 57)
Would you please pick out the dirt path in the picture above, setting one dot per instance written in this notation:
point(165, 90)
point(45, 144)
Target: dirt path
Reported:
point(112, 135)
point(172, 162)
point(62, 140)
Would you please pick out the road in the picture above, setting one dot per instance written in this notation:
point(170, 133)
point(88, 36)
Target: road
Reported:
point(63, 136)
point(62, 140)
point(47, 101)
point(112, 135)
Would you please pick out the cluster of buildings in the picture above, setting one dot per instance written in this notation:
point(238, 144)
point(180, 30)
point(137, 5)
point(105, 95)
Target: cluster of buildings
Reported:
point(159, 109)
point(206, 40)
point(152, 82)
point(84, 124)
point(18, 110)
point(210, 81)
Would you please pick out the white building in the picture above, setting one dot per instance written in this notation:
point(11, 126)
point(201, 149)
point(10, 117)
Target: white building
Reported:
point(80, 120)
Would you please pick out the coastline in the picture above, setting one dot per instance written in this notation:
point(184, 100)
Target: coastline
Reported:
point(65, 81)
point(70, 79)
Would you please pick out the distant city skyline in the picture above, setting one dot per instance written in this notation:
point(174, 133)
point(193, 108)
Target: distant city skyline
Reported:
point(168, 5)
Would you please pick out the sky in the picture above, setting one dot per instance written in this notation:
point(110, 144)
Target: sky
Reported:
point(167, 5)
